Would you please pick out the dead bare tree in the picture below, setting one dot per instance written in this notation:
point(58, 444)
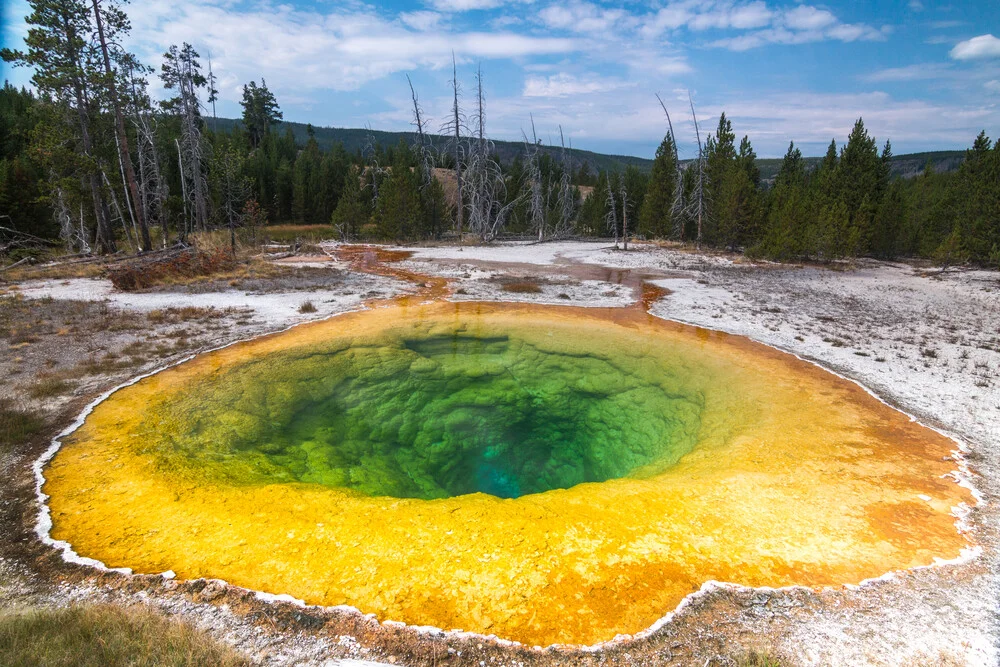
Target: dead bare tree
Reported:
point(184, 196)
point(489, 206)
point(566, 197)
point(152, 187)
point(181, 70)
point(375, 170)
point(213, 94)
point(75, 237)
point(235, 190)
point(124, 156)
point(453, 127)
point(12, 239)
point(624, 195)
point(698, 198)
point(612, 215)
point(118, 212)
point(534, 185)
point(677, 205)
point(423, 149)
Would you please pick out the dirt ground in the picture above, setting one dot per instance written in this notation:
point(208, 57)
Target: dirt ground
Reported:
point(923, 340)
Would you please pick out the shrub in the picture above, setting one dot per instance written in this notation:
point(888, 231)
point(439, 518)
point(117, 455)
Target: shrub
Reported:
point(186, 265)
point(307, 307)
point(522, 287)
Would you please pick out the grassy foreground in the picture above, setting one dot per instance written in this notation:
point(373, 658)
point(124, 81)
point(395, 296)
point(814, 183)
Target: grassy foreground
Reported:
point(106, 636)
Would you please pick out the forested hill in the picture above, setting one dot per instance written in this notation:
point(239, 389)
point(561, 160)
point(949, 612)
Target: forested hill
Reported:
point(358, 139)
point(906, 166)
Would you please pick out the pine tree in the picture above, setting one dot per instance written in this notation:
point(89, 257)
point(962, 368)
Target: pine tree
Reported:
point(57, 46)
point(655, 218)
point(398, 208)
point(117, 23)
point(260, 111)
point(181, 72)
point(787, 232)
point(353, 208)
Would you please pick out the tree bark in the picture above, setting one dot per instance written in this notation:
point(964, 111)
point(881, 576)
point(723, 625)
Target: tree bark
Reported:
point(105, 239)
point(458, 148)
point(126, 156)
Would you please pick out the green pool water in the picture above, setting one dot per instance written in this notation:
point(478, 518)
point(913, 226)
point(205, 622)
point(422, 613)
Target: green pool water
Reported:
point(433, 414)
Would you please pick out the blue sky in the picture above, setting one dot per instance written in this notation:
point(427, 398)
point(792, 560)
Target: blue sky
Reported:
point(925, 74)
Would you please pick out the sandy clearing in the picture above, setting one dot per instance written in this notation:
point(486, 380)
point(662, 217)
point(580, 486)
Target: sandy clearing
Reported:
point(273, 309)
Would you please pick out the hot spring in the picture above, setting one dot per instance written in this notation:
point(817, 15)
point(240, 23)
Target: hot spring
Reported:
point(545, 474)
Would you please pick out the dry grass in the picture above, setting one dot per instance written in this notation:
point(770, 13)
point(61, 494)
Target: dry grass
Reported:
point(289, 233)
point(755, 659)
point(58, 272)
point(182, 267)
point(16, 424)
point(307, 307)
point(50, 386)
point(189, 314)
point(522, 287)
point(104, 635)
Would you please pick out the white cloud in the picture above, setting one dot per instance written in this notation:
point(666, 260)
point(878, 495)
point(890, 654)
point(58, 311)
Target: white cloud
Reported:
point(464, 5)
point(805, 17)
point(581, 17)
point(945, 25)
point(737, 17)
point(421, 21)
point(297, 50)
point(758, 23)
point(563, 85)
point(670, 17)
point(992, 86)
point(844, 32)
point(984, 46)
point(852, 32)
point(919, 72)
point(915, 6)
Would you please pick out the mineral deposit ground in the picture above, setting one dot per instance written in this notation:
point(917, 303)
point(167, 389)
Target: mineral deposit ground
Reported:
point(572, 453)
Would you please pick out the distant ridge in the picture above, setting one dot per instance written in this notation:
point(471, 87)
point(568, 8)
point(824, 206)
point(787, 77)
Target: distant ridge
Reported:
point(354, 139)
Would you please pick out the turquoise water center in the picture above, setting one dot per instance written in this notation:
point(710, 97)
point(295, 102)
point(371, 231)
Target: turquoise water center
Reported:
point(432, 414)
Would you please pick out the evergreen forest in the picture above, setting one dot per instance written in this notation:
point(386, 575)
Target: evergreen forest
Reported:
point(91, 164)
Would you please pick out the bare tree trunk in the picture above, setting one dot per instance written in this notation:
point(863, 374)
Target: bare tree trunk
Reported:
point(213, 94)
point(184, 199)
point(536, 202)
point(105, 237)
point(677, 205)
point(624, 213)
point(701, 170)
point(123, 149)
point(613, 213)
point(458, 139)
point(118, 211)
point(480, 115)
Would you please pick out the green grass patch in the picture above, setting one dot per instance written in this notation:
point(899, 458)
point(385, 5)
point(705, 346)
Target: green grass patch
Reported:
point(755, 659)
point(17, 425)
point(104, 635)
point(49, 387)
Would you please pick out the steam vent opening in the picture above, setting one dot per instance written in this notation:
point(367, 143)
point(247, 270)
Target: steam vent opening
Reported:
point(544, 474)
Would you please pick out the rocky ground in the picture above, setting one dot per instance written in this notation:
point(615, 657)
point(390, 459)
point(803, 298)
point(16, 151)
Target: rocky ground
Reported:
point(921, 339)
